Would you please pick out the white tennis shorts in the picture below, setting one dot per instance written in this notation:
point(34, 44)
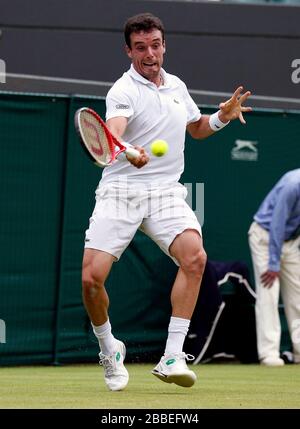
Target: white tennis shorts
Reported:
point(160, 212)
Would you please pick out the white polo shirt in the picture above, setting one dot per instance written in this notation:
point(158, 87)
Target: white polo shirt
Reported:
point(153, 113)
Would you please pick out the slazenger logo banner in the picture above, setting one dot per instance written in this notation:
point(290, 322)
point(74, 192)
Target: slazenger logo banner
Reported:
point(244, 150)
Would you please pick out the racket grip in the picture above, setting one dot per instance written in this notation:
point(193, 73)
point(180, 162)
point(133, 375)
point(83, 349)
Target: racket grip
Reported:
point(133, 153)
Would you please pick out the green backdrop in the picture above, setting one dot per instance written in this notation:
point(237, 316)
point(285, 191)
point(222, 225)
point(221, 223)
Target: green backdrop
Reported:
point(47, 195)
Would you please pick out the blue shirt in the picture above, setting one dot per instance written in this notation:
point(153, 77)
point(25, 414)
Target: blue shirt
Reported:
point(279, 213)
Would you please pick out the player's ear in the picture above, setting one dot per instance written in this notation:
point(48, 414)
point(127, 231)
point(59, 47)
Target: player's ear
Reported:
point(128, 51)
point(164, 46)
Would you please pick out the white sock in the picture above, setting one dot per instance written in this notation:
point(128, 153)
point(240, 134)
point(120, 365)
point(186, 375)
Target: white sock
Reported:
point(177, 331)
point(105, 338)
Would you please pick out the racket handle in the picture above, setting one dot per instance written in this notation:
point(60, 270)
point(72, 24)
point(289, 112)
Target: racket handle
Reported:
point(133, 153)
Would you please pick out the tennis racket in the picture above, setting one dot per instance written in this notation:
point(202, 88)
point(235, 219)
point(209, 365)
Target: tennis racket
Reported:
point(99, 143)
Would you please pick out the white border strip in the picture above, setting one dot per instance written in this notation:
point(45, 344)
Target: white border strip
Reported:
point(60, 79)
point(253, 97)
point(208, 340)
point(109, 84)
point(241, 279)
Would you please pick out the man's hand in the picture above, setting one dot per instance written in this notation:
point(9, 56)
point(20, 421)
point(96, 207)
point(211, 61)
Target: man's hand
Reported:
point(232, 108)
point(269, 277)
point(141, 160)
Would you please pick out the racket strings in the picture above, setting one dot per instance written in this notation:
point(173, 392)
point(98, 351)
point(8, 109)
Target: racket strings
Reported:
point(95, 138)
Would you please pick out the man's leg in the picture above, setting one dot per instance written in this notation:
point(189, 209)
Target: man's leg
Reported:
point(268, 328)
point(95, 269)
point(290, 291)
point(96, 266)
point(188, 250)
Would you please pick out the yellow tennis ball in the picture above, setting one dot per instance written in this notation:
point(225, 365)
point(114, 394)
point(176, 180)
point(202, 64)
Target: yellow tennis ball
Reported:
point(159, 147)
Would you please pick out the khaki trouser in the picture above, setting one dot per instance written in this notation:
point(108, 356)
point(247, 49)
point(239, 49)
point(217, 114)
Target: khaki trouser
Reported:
point(268, 326)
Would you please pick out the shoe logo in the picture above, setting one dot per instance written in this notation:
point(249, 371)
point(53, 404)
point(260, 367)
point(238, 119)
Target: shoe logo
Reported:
point(170, 361)
point(118, 356)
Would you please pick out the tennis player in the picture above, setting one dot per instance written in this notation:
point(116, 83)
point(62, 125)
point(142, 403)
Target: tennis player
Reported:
point(146, 104)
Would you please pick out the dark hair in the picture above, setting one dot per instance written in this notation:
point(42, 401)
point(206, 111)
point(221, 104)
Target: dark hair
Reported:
point(142, 22)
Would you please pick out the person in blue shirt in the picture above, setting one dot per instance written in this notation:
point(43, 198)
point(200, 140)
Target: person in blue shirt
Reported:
point(274, 239)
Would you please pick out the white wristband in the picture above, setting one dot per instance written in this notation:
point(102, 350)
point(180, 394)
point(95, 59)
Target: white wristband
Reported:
point(215, 123)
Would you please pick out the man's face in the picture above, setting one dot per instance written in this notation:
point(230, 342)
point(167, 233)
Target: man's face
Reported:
point(146, 52)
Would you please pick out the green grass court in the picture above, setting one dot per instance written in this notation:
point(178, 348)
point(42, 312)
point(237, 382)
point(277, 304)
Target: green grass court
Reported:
point(218, 386)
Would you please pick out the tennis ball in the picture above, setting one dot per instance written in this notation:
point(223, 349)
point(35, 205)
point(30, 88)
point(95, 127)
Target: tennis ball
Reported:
point(159, 147)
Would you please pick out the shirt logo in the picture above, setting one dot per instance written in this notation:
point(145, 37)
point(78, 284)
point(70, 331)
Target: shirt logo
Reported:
point(244, 150)
point(122, 106)
point(176, 101)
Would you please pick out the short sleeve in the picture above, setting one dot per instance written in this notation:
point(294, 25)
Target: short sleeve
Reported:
point(118, 103)
point(193, 111)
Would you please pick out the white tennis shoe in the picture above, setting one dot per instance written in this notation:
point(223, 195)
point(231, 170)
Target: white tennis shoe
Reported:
point(173, 369)
point(272, 361)
point(115, 374)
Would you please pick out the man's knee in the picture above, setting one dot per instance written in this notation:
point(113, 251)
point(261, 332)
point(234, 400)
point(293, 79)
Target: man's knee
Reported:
point(194, 264)
point(94, 273)
point(95, 269)
point(91, 283)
